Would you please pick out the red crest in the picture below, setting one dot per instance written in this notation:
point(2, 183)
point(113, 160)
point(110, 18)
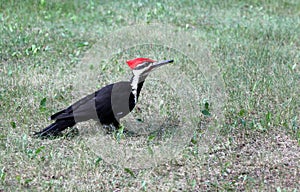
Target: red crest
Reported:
point(134, 62)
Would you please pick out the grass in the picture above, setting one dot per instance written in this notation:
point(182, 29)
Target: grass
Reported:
point(254, 43)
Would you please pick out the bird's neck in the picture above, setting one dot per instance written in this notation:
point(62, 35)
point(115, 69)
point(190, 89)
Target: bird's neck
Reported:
point(137, 82)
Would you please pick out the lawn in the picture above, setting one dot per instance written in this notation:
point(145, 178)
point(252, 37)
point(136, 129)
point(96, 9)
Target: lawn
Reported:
point(229, 102)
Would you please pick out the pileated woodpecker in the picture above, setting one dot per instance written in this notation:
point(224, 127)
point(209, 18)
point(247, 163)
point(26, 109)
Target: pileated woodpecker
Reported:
point(108, 104)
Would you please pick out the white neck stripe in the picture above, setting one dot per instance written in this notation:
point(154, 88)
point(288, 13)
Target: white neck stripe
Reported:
point(135, 82)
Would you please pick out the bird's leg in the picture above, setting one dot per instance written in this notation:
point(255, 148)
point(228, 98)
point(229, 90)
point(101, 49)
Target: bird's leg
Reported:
point(109, 128)
point(116, 124)
point(116, 127)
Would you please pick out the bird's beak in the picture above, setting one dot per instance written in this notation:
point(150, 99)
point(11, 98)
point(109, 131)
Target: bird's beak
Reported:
point(161, 63)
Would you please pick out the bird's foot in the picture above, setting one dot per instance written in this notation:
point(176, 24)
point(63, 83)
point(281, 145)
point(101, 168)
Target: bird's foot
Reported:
point(111, 129)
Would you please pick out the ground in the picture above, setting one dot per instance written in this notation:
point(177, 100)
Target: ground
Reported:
point(254, 44)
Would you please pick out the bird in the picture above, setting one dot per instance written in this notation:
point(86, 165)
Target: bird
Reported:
point(107, 105)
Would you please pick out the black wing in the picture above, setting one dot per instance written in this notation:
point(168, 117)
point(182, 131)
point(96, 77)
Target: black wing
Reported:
point(112, 102)
point(85, 108)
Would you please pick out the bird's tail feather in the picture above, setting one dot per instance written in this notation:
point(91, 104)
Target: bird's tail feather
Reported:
point(55, 128)
point(54, 116)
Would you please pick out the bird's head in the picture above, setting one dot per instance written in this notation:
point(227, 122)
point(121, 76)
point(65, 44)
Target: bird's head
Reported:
point(143, 66)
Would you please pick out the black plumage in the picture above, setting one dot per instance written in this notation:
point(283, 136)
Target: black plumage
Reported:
point(107, 105)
